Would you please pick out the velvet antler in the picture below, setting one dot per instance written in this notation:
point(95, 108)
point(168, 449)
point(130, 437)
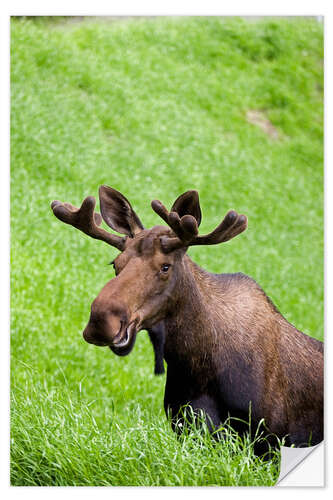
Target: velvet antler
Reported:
point(86, 220)
point(186, 228)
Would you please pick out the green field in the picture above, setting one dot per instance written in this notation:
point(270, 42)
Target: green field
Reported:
point(151, 107)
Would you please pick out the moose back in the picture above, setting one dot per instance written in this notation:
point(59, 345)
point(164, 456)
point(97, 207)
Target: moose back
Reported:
point(227, 348)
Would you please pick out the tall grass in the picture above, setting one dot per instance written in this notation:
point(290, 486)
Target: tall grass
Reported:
point(102, 447)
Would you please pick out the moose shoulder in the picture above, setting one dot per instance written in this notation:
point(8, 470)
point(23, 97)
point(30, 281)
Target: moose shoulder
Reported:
point(226, 346)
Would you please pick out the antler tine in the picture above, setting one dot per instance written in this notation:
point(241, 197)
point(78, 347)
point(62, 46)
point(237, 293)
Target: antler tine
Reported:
point(160, 209)
point(86, 220)
point(185, 227)
point(232, 225)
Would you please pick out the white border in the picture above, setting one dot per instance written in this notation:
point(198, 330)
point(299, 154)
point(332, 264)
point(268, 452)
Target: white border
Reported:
point(171, 7)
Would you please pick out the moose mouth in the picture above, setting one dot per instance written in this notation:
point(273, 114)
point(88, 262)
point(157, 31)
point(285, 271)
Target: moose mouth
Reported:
point(123, 344)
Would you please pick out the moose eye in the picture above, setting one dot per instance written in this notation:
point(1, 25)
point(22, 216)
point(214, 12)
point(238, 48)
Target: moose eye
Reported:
point(165, 268)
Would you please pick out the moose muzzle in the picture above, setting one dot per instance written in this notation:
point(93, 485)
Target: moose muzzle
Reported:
point(110, 326)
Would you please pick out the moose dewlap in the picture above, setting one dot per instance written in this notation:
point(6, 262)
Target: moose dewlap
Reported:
point(227, 348)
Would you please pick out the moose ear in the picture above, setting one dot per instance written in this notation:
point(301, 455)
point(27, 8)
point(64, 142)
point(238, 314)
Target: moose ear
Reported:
point(188, 204)
point(117, 212)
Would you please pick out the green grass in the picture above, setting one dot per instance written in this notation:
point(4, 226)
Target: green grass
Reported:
point(153, 108)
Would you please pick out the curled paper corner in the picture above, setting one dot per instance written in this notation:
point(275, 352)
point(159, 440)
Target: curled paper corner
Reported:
point(302, 466)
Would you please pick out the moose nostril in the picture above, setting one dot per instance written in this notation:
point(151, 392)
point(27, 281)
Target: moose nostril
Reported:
point(119, 333)
point(116, 325)
point(107, 322)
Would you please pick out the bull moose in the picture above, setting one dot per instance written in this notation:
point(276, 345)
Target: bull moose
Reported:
point(226, 345)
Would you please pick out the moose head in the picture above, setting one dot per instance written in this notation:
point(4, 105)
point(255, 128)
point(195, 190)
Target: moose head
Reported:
point(150, 265)
point(226, 346)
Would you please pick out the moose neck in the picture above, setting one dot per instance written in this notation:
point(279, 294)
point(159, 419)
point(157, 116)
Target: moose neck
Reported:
point(190, 325)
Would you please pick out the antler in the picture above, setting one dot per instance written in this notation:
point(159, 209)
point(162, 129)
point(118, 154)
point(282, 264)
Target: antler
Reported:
point(186, 229)
point(86, 220)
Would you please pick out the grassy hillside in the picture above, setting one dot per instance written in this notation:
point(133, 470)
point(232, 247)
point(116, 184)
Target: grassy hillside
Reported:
point(152, 108)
